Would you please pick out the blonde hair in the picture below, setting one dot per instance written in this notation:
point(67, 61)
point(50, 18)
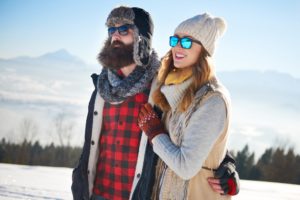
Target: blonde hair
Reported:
point(202, 73)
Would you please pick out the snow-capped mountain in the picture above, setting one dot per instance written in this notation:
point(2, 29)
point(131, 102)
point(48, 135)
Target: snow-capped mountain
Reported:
point(265, 104)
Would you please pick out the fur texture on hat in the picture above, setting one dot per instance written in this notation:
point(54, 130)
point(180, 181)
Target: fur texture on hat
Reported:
point(205, 28)
point(143, 30)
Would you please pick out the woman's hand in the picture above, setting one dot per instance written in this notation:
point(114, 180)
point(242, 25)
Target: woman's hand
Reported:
point(149, 122)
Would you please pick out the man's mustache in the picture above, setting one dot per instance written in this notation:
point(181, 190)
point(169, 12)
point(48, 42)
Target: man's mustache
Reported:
point(117, 43)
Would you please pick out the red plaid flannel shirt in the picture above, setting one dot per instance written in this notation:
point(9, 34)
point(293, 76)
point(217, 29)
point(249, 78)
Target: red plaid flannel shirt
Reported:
point(119, 145)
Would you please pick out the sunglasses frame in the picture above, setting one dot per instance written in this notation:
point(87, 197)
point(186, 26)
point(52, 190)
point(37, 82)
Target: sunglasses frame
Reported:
point(113, 29)
point(180, 41)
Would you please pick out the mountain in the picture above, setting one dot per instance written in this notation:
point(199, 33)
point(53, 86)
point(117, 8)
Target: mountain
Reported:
point(265, 104)
point(61, 55)
point(41, 89)
point(57, 73)
point(54, 63)
point(266, 86)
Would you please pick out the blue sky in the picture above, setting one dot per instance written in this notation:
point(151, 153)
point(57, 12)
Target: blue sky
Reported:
point(261, 35)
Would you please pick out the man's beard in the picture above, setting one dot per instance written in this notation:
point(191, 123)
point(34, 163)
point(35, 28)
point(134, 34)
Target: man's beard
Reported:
point(116, 55)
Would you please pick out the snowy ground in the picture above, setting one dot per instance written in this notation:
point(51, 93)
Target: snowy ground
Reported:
point(35, 182)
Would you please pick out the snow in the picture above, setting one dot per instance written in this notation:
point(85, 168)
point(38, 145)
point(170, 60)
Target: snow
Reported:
point(37, 182)
point(267, 191)
point(34, 182)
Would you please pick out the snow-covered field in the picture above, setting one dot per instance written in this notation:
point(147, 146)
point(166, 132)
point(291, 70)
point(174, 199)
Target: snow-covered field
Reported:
point(36, 182)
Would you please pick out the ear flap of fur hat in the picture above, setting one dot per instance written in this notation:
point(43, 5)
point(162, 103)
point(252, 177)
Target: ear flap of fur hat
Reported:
point(142, 46)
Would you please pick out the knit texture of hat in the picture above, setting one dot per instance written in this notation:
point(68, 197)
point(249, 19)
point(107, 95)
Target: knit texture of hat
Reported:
point(143, 30)
point(205, 28)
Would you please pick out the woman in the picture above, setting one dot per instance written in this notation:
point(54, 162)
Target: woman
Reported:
point(191, 140)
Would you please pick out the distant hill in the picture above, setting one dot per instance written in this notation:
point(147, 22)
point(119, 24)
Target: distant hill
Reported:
point(50, 76)
point(55, 63)
point(266, 109)
point(269, 86)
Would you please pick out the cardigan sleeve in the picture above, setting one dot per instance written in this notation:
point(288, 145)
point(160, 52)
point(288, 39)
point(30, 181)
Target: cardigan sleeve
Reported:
point(205, 126)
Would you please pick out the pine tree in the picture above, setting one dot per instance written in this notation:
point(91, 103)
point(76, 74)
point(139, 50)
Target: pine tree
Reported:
point(264, 162)
point(244, 162)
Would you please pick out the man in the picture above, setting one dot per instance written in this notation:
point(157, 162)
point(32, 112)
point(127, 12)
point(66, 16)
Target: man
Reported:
point(117, 161)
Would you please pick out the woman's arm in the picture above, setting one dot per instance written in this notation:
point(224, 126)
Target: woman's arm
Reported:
point(205, 126)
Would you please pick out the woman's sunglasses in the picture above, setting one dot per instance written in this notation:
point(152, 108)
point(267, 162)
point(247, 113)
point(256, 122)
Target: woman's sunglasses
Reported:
point(185, 42)
point(123, 30)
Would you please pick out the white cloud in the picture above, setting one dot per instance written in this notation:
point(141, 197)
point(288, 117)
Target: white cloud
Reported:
point(58, 84)
point(14, 97)
point(19, 83)
point(15, 88)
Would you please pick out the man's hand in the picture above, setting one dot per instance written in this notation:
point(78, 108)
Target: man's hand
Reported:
point(226, 179)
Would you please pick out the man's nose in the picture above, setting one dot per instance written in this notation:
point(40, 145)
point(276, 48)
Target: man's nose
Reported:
point(116, 34)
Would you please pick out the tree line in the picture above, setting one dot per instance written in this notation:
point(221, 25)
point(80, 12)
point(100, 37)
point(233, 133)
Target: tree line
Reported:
point(275, 164)
point(28, 153)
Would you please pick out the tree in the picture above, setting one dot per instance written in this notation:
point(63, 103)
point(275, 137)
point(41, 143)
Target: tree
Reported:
point(63, 129)
point(266, 157)
point(28, 129)
point(244, 162)
point(264, 162)
point(36, 152)
point(290, 165)
point(2, 149)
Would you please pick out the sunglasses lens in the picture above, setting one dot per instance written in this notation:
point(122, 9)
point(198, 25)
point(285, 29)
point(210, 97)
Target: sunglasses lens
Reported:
point(123, 30)
point(186, 43)
point(173, 41)
point(111, 30)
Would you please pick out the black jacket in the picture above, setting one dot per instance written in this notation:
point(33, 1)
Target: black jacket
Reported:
point(80, 188)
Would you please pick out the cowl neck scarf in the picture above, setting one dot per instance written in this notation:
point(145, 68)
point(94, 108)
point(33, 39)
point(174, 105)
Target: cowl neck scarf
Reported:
point(115, 89)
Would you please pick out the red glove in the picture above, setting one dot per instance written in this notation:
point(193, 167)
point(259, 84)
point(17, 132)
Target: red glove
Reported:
point(149, 122)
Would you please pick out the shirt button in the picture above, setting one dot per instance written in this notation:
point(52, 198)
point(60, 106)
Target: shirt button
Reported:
point(95, 113)
point(138, 175)
point(93, 142)
point(88, 171)
point(118, 142)
point(120, 122)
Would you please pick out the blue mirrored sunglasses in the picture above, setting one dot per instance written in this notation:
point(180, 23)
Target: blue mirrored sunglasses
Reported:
point(123, 30)
point(185, 42)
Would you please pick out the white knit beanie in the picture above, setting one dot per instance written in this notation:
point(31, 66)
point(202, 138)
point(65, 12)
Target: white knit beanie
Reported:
point(205, 28)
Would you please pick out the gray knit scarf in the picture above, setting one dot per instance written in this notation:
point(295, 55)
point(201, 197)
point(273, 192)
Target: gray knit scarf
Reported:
point(114, 89)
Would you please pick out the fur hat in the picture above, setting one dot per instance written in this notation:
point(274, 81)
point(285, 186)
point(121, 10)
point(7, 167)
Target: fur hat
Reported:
point(205, 28)
point(143, 30)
